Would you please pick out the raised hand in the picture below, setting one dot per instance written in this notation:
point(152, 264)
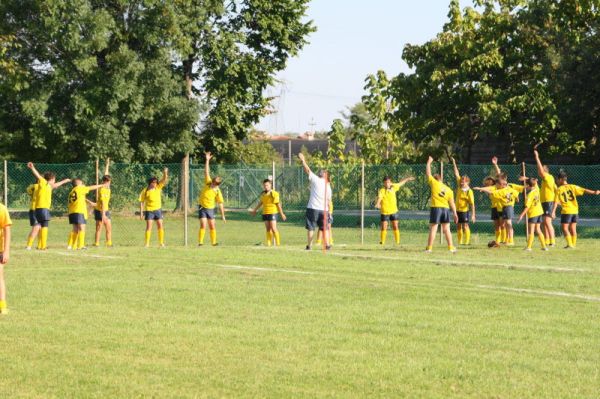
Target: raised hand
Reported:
point(495, 161)
point(208, 156)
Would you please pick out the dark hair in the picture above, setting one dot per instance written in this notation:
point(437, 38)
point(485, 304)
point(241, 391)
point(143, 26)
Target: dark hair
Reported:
point(489, 178)
point(153, 180)
point(387, 178)
point(267, 181)
point(106, 178)
point(437, 176)
point(502, 176)
point(75, 180)
point(49, 175)
point(532, 181)
point(562, 175)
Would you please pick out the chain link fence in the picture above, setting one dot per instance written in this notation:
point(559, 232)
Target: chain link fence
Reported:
point(356, 217)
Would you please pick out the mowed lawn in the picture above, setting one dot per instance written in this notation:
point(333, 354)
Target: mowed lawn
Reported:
point(243, 320)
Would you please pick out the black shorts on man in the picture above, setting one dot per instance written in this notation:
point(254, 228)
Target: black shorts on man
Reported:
point(98, 215)
point(392, 217)
point(463, 217)
point(206, 213)
point(272, 217)
point(42, 215)
point(439, 216)
point(547, 207)
point(535, 220)
point(314, 219)
point(153, 215)
point(32, 219)
point(508, 212)
point(76, 218)
point(568, 218)
point(495, 214)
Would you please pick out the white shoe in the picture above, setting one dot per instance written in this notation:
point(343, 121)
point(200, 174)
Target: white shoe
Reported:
point(428, 251)
point(545, 249)
point(528, 249)
point(69, 248)
point(27, 248)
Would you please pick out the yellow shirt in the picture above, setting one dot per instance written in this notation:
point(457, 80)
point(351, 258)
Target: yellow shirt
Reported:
point(43, 198)
point(389, 202)
point(4, 221)
point(440, 193)
point(464, 199)
point(210, 196)
point(103, 198)
point(77, 202)
point(518, 189)
point(32, 192)
point(152, 198)
point(567, 196)
point(534, 204)
point(548, 192)
point(504, 197)
point(269, 202)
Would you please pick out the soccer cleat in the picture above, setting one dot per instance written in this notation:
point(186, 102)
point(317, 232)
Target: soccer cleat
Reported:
point(4, 311)
point(528, 249)
point(201, 245)
point(307, 248)
point(545, 249)
point(328, 247)
point(96, 244)
point(83, 249)
point(569, 247)
point(551, 245)
point(428, 251)
point(162, 246)
point(216, 244)
point(69, 248)
point(27, 248)
point(452, 250)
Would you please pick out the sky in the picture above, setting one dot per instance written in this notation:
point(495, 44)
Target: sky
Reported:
point(354, 38)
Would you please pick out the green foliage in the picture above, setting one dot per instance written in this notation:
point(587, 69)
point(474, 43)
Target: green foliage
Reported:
point(258, 152)
point(336, 141)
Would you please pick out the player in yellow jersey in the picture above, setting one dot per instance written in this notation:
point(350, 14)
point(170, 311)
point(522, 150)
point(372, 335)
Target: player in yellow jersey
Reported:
point(495, 216)
point(77, 207)
point(210, 196)
point(534, 211)
point(43, 201)
point(5, 224)
point(101, 209)
point(151, 207)
point(566, 198)
point(547, 195)
point(465, 206)
point(504, 197)
point(387, 203)
point(271, 204)
point(35, 225)
point(442, 201)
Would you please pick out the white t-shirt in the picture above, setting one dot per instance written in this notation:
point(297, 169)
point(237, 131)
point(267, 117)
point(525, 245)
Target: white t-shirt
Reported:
point(317, 193)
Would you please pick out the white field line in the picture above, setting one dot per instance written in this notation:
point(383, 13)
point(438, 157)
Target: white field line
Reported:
point(262, 269)
point(84, 255)
point(426, 259)
point(541, 292)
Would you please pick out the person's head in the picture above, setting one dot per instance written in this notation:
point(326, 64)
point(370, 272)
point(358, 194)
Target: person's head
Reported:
point(152, 182)
point(50, 177)
point(489, 181)
point(502, 179)
point(267, 185)
point(437, 177)
point(323, 174)
point(77, 182)
point(465, 181)
point(546, 169)
point(106, 179)
point(387, 182)
point(216, 182)
point(562, 178)
point(532, 182)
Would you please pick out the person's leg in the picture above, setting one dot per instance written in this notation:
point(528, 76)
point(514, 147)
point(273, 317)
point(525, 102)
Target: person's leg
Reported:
point(498, 230)
point(466, 233)
point(448, 234)
point(538, 230)
point(275, 232)
point(567, 234)
point(213, 231)
point(531, 236)
point(97, 234)
point(72, 243)
point(459, 233)
point(202, 231)
point(396, 230)
point(383, 232)
point(3, 307)
point(108, 231)
point(35, 229)
point(573, 231)
point(161, 232)
point(309, 237)
point(148, 234)
point(81, 236)
point(510, 240)
point(550, 233)
point(319, 236)
point(268, 234)
point(432, 232)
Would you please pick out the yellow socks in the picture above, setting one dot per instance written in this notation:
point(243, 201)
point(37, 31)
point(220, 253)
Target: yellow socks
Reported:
point(147, 236)
point(542, 240)
point(574, 240)
point(382, 236)
point(498, 235)
point(161, 236)
point(467, 234)
point(269, 236)
point(277, 238)
point(43, 238)
point(72, 238)
point(504, 235)
point(201, 234)
point(3, 306)
point(213, 237)
point(396, 236)
point(319, 236)
point(29, 241)
point(530, 241)
point(81, 240)
point(330, 238)
point(459, 233)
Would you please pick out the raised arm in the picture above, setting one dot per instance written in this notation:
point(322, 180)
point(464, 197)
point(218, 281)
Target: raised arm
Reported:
point(107, 167)
point(428, 167)
point(96, 186)
point(60, 183)
point(488, 190)
point(456, 172)
point(165, 177)
point(591, 192)
point(34, 170)
point(472, 201)
point(92, 203)
point(538, 162)
point(406, 180)
point(304, 164)
point(208, 157)
point(495, 163)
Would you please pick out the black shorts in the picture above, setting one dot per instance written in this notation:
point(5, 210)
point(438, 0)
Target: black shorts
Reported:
point(535, 220)
point(42, 215)
point(547, 207)
point(508, 212)
point(314, 219)
point(98, 215)
point(570, 218)
point(495, 214)
point(439, 215)
point(32, 220)
point(392, 217)
point(153, 215)
point(76, 218)
point(270, 217)
point(464, 217)
point(206, 213)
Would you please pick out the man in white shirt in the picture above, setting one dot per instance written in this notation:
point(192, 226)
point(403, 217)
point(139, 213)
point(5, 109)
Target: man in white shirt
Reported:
point(318, 203)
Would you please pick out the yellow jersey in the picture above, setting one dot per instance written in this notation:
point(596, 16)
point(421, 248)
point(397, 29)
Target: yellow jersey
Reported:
point(43, 198)
point(152, 198)
point(389, 201)
point(32, 192)
point(519, 189)
point(548, 192)
point(441, 194)
point(495, 202)
point(103, 198)
point(504, 197)
point(269, 202)
point(4, 222)
point(534, 204)
point(567, 195)
point(464, 198)
point(210, 196)
point(77, 202)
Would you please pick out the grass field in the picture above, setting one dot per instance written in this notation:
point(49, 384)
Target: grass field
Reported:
point(242, 320)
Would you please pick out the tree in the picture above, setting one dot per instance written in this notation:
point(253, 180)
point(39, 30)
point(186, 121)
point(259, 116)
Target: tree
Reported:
point(336, 142)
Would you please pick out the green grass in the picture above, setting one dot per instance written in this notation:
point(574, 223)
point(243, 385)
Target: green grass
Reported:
point(241, 320)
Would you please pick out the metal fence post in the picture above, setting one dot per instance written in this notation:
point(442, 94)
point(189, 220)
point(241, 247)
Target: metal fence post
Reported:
point(527, 232)
point(186, 196)
point(362, 202)
point(6, 183)
point(442, 177)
